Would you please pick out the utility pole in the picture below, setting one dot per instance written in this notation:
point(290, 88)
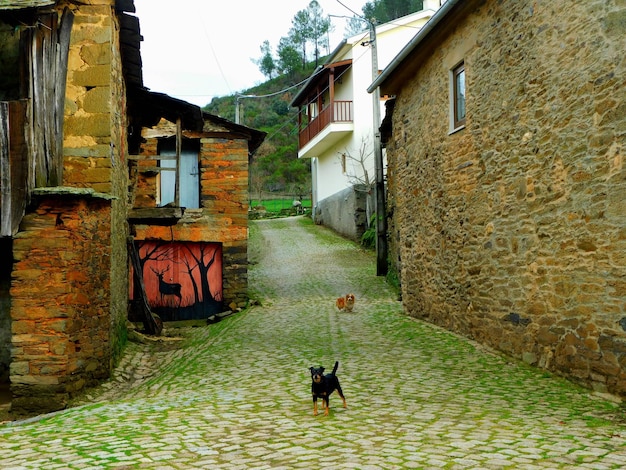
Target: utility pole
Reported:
point(379, 188)
point(238, 104)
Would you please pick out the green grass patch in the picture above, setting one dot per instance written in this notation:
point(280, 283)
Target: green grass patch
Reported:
point(277, 205)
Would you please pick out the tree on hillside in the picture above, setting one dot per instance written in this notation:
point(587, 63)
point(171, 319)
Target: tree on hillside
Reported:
point(320, 26)
point(300, 32)
point(288, 57)
point(383, 11)
point(308, 26)
point(266, 62)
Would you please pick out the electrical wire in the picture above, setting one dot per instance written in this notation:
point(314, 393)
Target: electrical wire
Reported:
point(219, 66)
point(277, 92)
point(351, 10)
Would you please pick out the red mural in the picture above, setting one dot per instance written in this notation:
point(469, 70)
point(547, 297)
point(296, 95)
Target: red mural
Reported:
point(183, 280)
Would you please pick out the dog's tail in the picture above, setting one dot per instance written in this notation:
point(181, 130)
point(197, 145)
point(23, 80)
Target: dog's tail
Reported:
point(335, 368)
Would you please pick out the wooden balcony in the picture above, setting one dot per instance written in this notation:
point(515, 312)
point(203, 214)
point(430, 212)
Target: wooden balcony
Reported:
point(337, 111)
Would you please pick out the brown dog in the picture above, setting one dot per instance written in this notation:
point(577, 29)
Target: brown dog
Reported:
point(350, 298)
point(340, 303)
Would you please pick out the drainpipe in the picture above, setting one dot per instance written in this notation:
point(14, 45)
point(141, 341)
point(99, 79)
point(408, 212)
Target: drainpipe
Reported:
point(379, 188)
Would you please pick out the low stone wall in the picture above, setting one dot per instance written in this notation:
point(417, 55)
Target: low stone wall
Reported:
point(60, 296)
point(344, 212)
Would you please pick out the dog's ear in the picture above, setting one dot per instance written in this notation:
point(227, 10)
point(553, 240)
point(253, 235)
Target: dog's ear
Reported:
point(322, 370)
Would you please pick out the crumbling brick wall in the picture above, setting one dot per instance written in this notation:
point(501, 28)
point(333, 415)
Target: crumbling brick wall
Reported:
point(511, 231)
point(61, 294)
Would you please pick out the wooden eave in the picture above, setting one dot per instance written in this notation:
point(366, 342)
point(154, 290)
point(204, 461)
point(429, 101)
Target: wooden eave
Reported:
point(23, 4)
point(255, 137)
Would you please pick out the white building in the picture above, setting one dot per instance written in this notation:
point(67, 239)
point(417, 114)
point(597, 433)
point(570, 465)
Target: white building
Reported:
point(337, 124)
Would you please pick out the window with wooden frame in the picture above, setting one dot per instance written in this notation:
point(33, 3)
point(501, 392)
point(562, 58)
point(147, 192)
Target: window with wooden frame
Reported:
point(458, 96)
point(179, 181)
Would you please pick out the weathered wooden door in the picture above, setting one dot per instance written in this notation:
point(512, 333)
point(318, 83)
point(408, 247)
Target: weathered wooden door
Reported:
point(183, 280)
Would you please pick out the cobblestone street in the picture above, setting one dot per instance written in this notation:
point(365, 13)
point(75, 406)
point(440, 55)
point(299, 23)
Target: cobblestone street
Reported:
point(236, 394)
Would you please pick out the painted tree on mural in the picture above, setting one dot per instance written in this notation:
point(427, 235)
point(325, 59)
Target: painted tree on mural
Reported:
point(204, 260)
point(154, 252)
point(182, 280)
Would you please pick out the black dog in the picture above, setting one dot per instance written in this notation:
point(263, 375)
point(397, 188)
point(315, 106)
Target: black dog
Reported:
point(323, 386)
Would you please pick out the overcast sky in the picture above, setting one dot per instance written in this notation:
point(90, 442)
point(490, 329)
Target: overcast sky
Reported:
point(197, 49)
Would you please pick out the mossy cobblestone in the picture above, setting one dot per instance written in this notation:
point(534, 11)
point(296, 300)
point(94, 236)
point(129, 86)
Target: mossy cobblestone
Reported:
point(236, 394)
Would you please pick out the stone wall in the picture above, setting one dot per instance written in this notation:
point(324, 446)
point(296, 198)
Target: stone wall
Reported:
point(60, 298)
point(95, 137)
point(69, 300)
point(512, 230)
point(344, 212)
point(224, 201)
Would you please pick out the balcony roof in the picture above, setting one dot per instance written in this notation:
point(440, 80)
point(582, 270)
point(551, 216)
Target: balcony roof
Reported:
point(320, 76)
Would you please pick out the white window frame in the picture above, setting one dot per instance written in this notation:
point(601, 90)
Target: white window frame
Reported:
point(456, 123)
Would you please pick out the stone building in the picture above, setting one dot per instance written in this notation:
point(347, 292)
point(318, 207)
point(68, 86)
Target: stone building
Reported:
point(189, 209)
point(507, 183)
point(73, 114)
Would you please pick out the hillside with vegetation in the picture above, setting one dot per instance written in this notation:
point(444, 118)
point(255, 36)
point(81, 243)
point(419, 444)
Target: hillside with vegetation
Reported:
point(275, 167)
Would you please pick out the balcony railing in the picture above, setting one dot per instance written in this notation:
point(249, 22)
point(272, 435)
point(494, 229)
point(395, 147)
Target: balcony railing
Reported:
point(337, 111)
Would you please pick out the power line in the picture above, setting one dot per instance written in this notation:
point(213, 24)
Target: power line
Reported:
point(349, 9)
point(219, 66)
point(276, 92)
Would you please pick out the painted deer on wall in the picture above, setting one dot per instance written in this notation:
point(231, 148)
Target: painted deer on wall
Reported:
point(167, 288)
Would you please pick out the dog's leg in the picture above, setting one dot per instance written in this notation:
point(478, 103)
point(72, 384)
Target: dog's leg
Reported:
point(340, 393)
point(314, 405)
point(327, 406)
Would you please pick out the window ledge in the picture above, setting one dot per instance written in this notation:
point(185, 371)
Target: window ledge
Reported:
point(457, 129)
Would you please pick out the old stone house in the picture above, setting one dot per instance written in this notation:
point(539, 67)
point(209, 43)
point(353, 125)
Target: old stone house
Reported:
point(507, 183)
point(83, 145)
point(189, 209)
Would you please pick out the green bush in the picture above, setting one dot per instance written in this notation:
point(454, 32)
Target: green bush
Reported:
point(368, 239)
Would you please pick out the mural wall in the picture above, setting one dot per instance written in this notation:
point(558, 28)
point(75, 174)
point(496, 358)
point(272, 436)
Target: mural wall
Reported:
point(183, 281)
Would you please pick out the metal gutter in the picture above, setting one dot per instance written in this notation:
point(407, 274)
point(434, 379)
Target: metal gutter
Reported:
point(413, 43)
